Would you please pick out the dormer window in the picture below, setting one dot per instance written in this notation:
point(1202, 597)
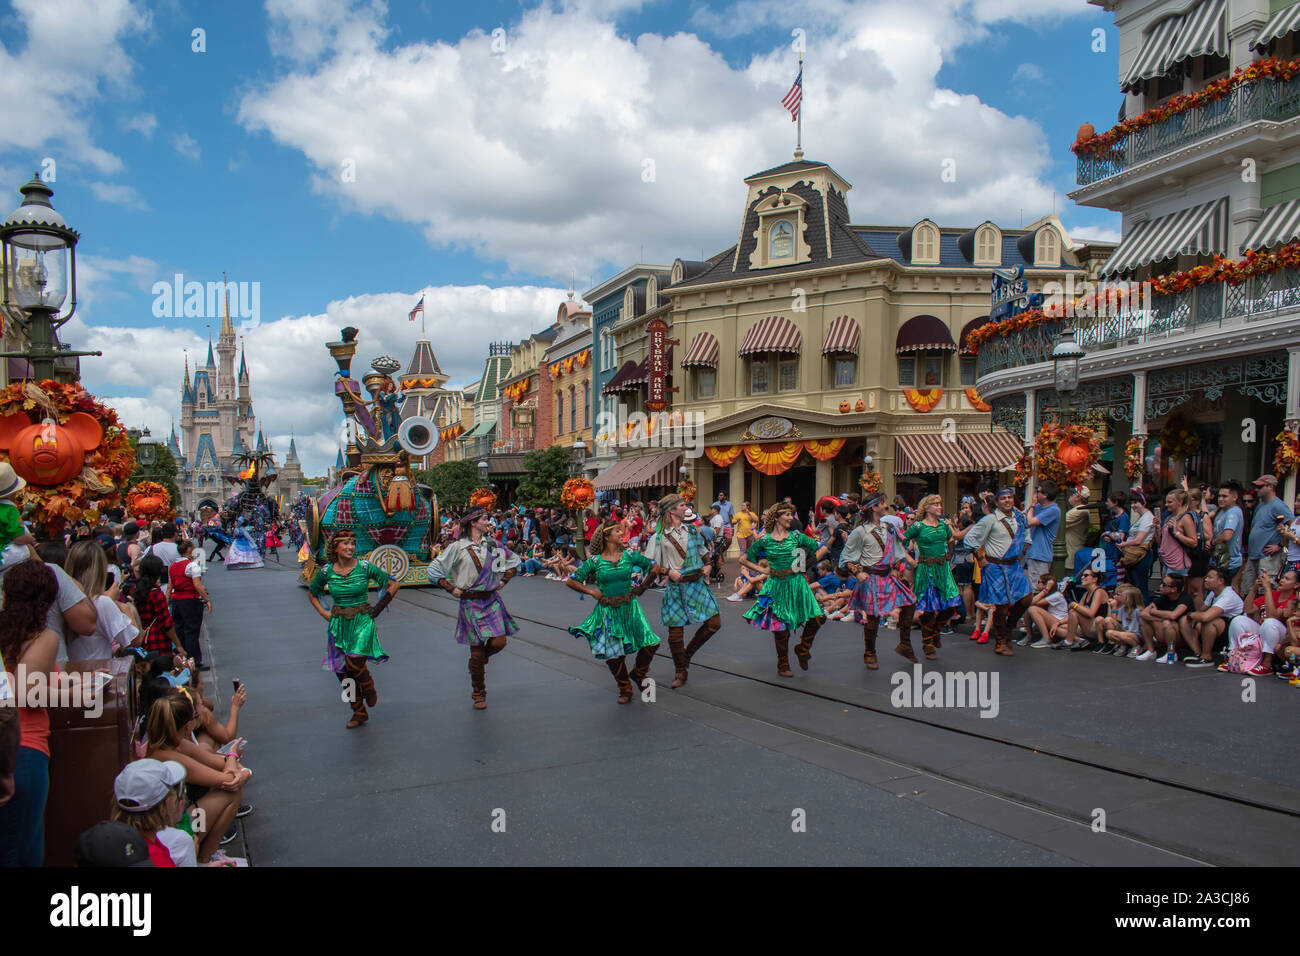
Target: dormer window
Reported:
point(629, 303)
point(781, 240)
point(651, 293)
point(988, 247)
point(925, 245)
point(1047, 248)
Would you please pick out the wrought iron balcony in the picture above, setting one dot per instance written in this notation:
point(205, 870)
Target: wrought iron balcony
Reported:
point(1192, 310)
point(1261, 100)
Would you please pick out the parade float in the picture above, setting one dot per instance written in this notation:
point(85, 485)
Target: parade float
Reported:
point(394, 519)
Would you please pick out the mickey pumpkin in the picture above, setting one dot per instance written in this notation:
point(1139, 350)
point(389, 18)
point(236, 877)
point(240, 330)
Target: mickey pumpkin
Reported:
point(49, 453)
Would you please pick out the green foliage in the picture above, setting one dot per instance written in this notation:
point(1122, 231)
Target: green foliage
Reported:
point(545, 472)
point(164, 472)
point(451, 481)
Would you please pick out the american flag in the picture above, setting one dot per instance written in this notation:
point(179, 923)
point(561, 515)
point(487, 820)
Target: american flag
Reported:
point(419, 309)
point(794, 97)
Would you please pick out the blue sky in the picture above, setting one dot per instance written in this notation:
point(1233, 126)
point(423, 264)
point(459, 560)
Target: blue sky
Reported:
point(492, 174)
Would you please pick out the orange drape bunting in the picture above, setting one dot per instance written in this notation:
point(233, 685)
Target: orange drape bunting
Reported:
point(723, 456)
point(824, 450)
point(923, 399)
point(976, 402)
point(773, 458)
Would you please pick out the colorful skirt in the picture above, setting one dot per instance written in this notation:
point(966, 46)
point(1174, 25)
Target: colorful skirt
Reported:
point(615, 632)
point(482, 619)
point(688, 603)
point(357, 637)
point(242, 553)
point(935, 588)
point(784, 604)
point(1003, 583)
point(878, 595)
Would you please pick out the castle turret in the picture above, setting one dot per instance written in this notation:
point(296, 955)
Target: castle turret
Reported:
point(226, 350)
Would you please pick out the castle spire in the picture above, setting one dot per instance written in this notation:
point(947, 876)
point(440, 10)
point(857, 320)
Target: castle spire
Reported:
point(211, 363)
point(227, 327)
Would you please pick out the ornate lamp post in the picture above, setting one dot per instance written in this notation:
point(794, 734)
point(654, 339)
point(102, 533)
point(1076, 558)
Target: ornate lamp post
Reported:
point(577, 458)
point(1065, 362)
point(483, 473)
point(38, 268)
point(146, 452)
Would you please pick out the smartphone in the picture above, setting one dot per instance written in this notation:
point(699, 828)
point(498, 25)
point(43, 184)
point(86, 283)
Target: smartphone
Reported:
point(236, 682)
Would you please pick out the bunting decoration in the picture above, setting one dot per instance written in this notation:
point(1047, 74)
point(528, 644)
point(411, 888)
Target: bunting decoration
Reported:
point(923, 399)
point(976, 402)
point(773, 458)
point(723, 456)
point(824, 450)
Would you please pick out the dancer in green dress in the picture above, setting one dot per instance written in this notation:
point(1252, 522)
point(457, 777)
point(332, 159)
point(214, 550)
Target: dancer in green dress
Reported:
point(937, 597)
point(352, 638)
point(617, 626)
point(786, 601)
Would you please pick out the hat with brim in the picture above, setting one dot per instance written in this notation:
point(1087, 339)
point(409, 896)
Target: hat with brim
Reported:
point(10, 483)
point(144, 784)
point(111, 844)
point(1259, 482)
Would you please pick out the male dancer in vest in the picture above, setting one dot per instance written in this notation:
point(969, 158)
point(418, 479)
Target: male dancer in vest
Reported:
point(473, 568)
point(868, 554)
point(1002, 579)
point(678, 547)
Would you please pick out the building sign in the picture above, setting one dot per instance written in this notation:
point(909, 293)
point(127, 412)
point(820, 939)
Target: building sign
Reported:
point(770, 429)
point(657, 367)
point(1011, 294)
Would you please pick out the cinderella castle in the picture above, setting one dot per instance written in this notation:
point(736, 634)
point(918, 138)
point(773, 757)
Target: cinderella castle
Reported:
point(217, 424)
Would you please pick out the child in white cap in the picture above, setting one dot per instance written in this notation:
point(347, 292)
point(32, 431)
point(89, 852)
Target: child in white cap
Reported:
point(14, 538)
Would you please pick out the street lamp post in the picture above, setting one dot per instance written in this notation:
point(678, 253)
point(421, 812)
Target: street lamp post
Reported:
point(577, 458)
point(38, 270)
point(1065, 368)
point(483, 472)
point(146, 452)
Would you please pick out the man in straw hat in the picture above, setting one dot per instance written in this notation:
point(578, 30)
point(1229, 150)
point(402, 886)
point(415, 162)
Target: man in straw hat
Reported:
point(678, 547)
point(1003, 584)
point(473, 568)
point(868, 555)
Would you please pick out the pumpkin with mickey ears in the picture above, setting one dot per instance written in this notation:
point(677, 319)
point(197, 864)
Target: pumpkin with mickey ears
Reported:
point(49, 453)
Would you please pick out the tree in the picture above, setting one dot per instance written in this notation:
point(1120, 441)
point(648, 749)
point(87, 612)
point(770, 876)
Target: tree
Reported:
point(451, 481)
point(545, 472)
point(163, 471)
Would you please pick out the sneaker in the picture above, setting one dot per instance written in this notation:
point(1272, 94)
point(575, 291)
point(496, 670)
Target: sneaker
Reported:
point(1285, 673)
point(946, 630)
point(1082, 644)
point(221, 858)
point(1224, 668)
point(733, 597)
point(244, 810)
point(1040, 644)
point(1024, 642)
point(1105, 647)
point(1260, 670)
point(230, 834)
point(1198, 662)
point(1146, 656)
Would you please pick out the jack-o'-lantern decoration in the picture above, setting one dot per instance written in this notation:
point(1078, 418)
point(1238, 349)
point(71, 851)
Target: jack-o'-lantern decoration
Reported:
point(1073, 455)
point(149, 500)
point(845, 406)
point(860, 406)
point(48, 453)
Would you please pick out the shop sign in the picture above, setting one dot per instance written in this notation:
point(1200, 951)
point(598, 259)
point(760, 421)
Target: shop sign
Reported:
point(1011, 294)
point(657, 387)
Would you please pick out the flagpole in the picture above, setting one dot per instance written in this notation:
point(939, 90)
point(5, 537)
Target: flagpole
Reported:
point(798, 146)
point(423, 295)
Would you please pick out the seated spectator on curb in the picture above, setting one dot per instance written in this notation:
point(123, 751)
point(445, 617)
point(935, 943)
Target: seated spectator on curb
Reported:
point(145, 798)
point(1160, 619)
point(113, 628)
point(1120, 631)
point(748, 582)
point(1202, 628)
point(111, 845)
point(216, 782)
point(1266, 621)
point(1085, 611)
point(1049, 612)
point(831, 591)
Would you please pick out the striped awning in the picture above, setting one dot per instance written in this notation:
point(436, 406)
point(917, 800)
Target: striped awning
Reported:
point(966, 330)
point(703, 352)
point(996, 451)
point(775, 333)
point(1279, 224)
point(618, 382)
point(1282, 23)
point(648, 471)
point(922, 333)
point(481, 430)
point(1153, 56)
point(1199, 229)
point(1205, 30)
point(638, 376)
point(611, 478)
point(928, 454)
point(842, 336)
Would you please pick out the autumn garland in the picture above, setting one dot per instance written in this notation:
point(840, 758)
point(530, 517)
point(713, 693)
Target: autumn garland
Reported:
point(483, 498)
point(1271, 68)
point(1179, 438)
point(1046, 461)
point(1135, 458)
point(870, 482)
point(1287, 457)
point(112, 462)
point(686, 489)
point(149, 500)
point(577, 494)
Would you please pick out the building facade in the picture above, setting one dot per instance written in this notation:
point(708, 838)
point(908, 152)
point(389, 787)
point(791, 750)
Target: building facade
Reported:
point(1216, 178)
point(568, 364)
point(424, 386)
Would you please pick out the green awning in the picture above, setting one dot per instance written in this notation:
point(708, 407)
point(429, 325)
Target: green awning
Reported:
point(481, 430)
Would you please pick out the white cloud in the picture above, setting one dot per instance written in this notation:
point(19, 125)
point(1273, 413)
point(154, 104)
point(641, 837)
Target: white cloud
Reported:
point(290, 369)
point(119, 194)
point(1028, 73)
point(539, 155)
point(303, 30)
point(74, 51)
point(1094, 233)
point(185, 144)
point(142, 123)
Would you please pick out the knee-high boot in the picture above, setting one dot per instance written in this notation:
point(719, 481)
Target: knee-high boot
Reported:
point(782, 640)
point(366, 683)
point(869, 628)
point(929, 633)
point(904, 647)
point(477, 678)
point(677, 647)
point(618, 667)
point(352, 672)
point(803, 650)
point(1001, 630)
point(641, 668)
point(706, 631)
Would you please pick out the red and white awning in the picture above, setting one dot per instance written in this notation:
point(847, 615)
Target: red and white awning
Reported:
point(775, 333)
point(703, 352)
point(842, 336)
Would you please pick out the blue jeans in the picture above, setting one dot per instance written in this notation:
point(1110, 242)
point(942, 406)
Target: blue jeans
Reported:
point(22, 819)
point(532, 566)
point(1140, 575)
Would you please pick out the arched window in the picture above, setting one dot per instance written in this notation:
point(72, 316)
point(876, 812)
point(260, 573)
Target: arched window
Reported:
point(573, 408)
point(780, 242)
point(925, 244)
point(986, 246)
point(586, 404)
point(559, 413)
point(1047, 250)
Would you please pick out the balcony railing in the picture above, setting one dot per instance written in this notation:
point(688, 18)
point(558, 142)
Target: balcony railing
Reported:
point(1193, 310)
point(1262, 100)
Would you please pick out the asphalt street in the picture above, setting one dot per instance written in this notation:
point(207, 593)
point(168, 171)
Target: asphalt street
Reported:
point(1088, 760)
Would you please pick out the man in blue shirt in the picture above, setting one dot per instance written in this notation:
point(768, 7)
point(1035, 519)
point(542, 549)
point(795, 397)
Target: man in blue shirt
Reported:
point(1266, 552)
point(1044, 520)
point(725, 508)
point(1228, 521)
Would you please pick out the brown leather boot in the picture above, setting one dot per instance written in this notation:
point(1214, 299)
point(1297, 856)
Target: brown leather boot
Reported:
point(904, 647)
point(618, 667)
point(359, 715)
point(869, 643)
point(366, 684)
point(477, 677)
point(803, 650)
point(929, 633)
point(641, 669)
point(782, 639)
point(706, 631)
point(677, 647)
point(1002, 629)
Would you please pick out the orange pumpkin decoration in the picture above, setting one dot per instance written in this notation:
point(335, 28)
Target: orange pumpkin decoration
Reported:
point(1073, 455)
point(49, 453)
point(1086, 132)
point(844, 407)
point(861, 406)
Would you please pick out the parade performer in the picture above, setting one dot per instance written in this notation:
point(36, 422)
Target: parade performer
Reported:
point(678, 547)
point(786, 601)
point(617, 626)
point(937, 597)
point(868, 555)
point(473, 568)
point(352, 639)
point(243, 551)
point(999, 541)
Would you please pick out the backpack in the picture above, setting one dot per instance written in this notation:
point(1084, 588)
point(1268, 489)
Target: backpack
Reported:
point(1247, 655)
point(1201, 553)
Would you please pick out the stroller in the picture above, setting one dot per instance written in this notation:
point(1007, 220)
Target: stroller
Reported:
point(717, 549)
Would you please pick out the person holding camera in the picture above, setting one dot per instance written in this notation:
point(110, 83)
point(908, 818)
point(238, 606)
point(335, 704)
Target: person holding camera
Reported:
point(1265, 542)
